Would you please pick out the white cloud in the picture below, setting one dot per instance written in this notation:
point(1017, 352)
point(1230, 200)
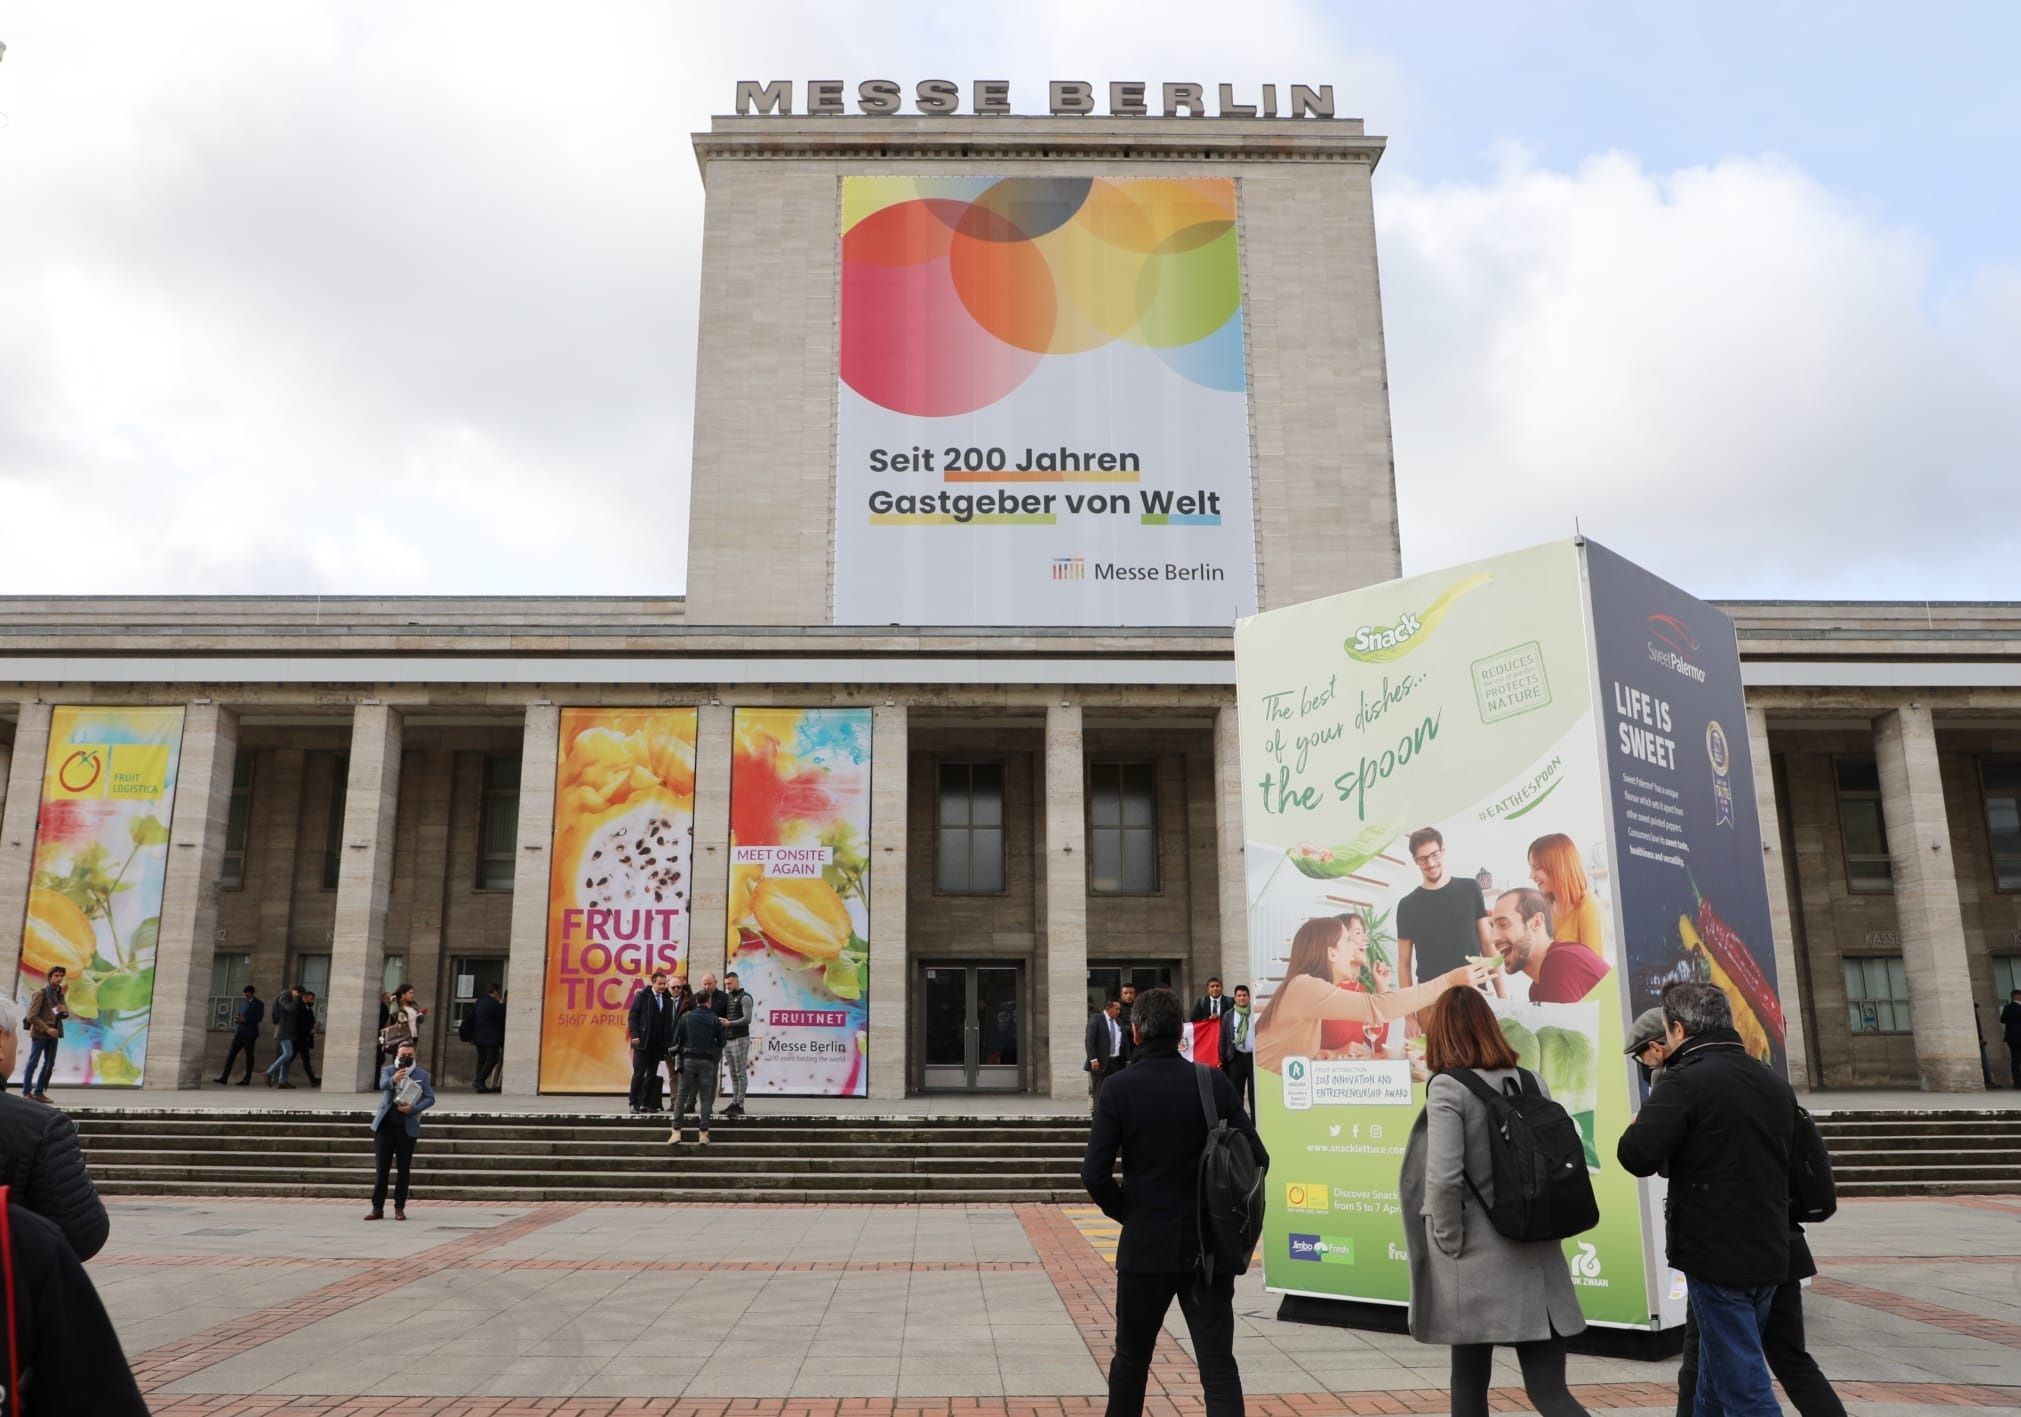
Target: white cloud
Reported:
point(1727, 373)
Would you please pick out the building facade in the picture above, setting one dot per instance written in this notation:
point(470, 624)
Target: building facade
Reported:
point(367, 788)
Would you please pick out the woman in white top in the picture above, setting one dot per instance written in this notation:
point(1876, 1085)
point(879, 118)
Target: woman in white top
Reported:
point(1324, 956)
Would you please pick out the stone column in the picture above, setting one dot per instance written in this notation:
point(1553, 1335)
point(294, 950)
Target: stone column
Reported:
point(1789, 982)
point(1231, 872)
point(1926, 900)
point(889, 960)
point(364, 885)
point(17, 831)
point(526, 961)
point(176, 1031)
point(709, 888)
point(1066, 878)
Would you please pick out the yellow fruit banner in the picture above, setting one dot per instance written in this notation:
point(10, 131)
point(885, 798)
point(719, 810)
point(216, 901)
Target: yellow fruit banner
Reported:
point(94, 903)
point(799, 916)
point(619, 886)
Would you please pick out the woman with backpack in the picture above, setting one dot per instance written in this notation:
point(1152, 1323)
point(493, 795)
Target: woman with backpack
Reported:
point(1471, 1286)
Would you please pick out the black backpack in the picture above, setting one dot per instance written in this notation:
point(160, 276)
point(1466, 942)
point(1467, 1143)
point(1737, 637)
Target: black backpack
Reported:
point(1230, 1191)
point(1538, 1160)
point(1813, 1195)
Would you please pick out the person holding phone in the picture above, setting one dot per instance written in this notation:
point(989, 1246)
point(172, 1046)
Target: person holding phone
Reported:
point(405, 1092)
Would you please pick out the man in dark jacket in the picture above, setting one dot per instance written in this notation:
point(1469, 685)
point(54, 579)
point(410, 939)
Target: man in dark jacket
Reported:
point(737, 1041)
point(65, 1347)
point(287, 1033)
point(2010, 1025)
point(306, 1044)
point(487, 1033)
point(41, 1160)
point(1102, 1046)
point(1720, 1126)
point(245, 1035)
point(1150, 1114)
point(649, 1029)
point(699, 1036)
point(1124, 1021)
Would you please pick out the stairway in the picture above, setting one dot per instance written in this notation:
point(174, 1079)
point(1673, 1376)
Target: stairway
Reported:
point(520, 1158)
point(1910, 1153)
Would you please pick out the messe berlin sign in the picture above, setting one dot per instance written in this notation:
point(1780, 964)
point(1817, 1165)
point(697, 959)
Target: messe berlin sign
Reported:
point(1128, 98)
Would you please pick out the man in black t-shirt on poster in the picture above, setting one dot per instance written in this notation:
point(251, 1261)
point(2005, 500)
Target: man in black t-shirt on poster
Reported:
point(1441, 922)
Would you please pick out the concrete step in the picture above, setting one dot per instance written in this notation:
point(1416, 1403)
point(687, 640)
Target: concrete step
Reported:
point(659, 1159)
point(426, 1190)
point(189, 1173)
point(728, 1141)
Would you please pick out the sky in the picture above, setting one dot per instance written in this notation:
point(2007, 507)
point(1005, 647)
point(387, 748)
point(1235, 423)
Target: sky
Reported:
point(359, 297)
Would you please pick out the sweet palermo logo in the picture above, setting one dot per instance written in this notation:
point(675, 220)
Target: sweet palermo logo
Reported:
point(1678, 649)
point(1380, 644)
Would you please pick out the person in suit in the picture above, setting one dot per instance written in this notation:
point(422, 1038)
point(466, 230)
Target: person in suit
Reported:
point(1150, 1115)
point(649, 1030)
point(1210, 1004)
point(1102, 1046)
point(396, 1128)
point(487, 1032)
point(1238, 1048)
point(246, 1019)
point(1470, 1286)
point(1124, 1021)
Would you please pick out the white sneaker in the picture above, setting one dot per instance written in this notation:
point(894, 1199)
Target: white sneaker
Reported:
point(674, 1137)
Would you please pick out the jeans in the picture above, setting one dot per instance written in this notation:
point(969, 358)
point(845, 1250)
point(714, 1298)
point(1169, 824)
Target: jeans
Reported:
point(390, 1144)
point(698, 1085)
point(41, 1051)
point(737, 1052)
point(1732, 1368)
point(1141, 1302)
point(1543, 1378)
point(280, 1064)
point(1782, 1343)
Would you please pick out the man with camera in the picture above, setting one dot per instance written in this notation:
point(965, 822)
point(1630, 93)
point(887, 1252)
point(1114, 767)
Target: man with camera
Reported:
point(45, 1030)
point(406, 1091)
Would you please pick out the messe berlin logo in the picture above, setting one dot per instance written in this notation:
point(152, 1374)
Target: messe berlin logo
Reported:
point(1303, 1195)
point(1070, 568)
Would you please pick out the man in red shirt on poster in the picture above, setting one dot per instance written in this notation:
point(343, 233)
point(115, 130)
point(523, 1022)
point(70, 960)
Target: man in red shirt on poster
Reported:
point(1561, 972)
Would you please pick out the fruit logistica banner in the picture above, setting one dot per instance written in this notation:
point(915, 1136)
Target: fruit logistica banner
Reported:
point(1681, 785)
point(799, 914)
point(1043, 411)
point(94, 903)
point(619, 885)
point(1456, 707)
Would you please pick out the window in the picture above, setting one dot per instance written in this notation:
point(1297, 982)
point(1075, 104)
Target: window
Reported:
point(333, 841)
point(393, 973)
point(229, 976)
point(1877, 995)
point(232, 876)
point(498, 824)
point(1869, 870)
point(2000, 782)
point(312, 972)
point(1122, 828)
point(971, 828)
point(2006, 976)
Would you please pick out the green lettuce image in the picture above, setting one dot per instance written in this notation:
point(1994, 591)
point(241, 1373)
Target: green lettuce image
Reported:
point(1565, 1059)
point(1330, 863)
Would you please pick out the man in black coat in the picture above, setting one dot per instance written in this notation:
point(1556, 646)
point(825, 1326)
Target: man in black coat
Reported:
point(1151, 1116)
point(1211, 1004)
point(1102, 1047)
point(64, 1345)
point(41, 1160)
point(1123, 1022)
point(246, 1019)
point(1720, 1125)
point(649, 1030)
point(2010, 1026)
point(487, 1033)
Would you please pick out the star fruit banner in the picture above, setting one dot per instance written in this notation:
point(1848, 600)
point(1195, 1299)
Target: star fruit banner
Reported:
point(1042, 409)
point(1434, 774)
point(799, 914)
point(618, 886)
point(94, 902)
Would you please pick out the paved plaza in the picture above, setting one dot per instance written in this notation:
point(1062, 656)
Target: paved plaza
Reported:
point(242, 1307)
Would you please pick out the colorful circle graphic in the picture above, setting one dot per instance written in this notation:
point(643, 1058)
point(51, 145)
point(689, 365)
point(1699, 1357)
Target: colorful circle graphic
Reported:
point(953, 289)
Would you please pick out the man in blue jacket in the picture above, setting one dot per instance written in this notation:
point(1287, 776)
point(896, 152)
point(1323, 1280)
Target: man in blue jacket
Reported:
point(246, 1019)
point(396, 1128)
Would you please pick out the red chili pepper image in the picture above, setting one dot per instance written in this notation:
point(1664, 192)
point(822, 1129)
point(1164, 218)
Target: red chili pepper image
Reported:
point(1738, 961)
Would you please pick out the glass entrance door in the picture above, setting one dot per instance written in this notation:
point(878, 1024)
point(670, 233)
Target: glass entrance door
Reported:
point(972, 1024)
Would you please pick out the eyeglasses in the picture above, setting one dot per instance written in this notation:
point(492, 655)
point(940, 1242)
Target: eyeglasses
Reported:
point(1430, 856)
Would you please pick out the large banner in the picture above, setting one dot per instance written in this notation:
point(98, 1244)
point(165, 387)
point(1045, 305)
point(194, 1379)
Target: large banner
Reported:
point(1425, 787)
point(94, 904)
point(619, 884)
point(1043, 412)
point(1681, 783)
point(799, 915)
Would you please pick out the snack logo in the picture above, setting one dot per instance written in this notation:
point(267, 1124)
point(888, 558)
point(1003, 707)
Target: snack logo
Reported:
point(1380, 644)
